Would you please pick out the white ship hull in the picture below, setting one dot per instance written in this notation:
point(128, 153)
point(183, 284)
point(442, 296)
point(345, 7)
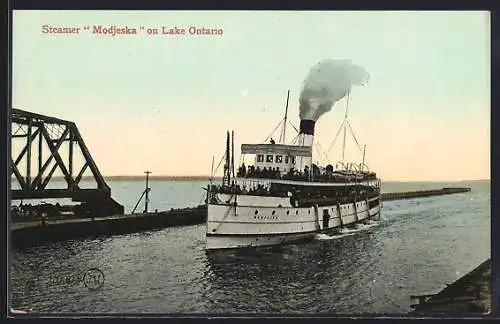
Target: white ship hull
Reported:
point(253, 221)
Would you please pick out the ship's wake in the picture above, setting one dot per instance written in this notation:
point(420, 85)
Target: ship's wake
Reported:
point(343, 232)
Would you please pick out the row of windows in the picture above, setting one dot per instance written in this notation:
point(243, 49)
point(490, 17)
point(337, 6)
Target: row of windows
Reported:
point(309, 211)
point(287, 212)
point(357, 204)
point(277, 158)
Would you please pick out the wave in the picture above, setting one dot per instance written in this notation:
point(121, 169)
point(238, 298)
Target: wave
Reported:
point(343, 232)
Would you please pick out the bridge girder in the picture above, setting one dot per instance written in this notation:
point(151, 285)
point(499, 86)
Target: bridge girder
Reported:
point(55, 133)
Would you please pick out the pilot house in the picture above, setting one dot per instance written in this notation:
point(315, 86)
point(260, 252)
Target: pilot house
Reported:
point(278, 157)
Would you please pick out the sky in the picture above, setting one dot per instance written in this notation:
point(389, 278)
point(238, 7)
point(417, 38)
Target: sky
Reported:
point(164, 102)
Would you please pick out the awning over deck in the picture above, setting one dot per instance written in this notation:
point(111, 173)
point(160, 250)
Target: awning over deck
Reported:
point(291, 150)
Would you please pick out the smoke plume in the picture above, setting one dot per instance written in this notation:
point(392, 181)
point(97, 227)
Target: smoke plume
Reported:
point(327, 82)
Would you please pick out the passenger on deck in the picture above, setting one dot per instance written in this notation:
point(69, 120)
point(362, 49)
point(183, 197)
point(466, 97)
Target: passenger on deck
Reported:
point(272, 141)
point(251, 171)
point(241, 172)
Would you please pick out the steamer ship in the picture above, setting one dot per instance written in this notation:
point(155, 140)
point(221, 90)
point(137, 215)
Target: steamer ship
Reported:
point(283, 197)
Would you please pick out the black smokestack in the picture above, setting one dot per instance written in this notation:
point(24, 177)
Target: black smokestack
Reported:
point(307, 126)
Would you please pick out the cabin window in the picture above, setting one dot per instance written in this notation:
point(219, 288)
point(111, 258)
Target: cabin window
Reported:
point(293, 160)
point(286, 159)
point(279, 158)
point(260, 158)
point(269, 158)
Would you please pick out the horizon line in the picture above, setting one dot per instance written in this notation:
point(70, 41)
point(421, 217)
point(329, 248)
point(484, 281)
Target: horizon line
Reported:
point(208, 177)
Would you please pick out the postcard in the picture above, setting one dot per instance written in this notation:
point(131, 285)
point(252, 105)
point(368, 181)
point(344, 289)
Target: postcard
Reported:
point(250, 162)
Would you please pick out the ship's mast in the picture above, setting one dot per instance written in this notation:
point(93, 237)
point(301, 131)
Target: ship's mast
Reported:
point(343, 127)
point(212, 170)
point(282, 139)
point(283, 135)
point(232, 155)
point(227, 172)
point(363, 162)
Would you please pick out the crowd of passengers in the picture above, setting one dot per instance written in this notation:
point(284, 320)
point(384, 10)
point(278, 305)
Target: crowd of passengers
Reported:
point(261, 190)
point(269, 173)
point(292, 174)
point(256, 172)
point(257, 190)
point(306, 197)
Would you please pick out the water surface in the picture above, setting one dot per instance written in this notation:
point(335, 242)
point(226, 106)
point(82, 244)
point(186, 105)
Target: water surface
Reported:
point(417, 247)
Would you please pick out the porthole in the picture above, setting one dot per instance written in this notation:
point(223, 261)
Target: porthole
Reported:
point(309, 211)
point(256, 212)
point(296, 212)
point(274, 212)
point(288, 212)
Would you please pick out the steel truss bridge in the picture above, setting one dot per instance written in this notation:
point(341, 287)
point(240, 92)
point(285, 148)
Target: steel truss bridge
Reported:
point(49, 136)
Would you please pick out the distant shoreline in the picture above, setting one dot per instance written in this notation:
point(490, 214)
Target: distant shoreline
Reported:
point(207, 178)
point(157, 177)
point(151, 177)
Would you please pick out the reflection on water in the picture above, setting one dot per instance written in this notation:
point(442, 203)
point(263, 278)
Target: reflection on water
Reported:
point(288, 278)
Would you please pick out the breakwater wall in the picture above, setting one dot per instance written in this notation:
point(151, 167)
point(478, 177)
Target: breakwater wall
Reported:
point(32, 232)
point(422, 193)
